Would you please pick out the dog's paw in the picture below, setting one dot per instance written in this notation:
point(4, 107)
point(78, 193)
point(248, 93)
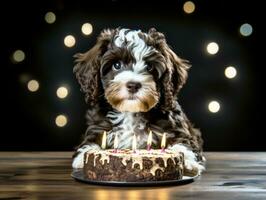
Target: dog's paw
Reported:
point(192, 166)
point(78, 161)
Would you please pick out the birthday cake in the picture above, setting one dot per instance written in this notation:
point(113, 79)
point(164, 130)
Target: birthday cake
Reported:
point(126, 165)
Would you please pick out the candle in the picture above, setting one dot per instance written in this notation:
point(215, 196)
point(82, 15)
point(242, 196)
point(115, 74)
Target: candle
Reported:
point(163, 142)
point(104, 140)
point(115, 143)
point(149, 142)
point(134, 143)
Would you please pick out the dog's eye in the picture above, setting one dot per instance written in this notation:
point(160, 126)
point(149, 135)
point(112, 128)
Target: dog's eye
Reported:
point(117, 66)
point(149, 68)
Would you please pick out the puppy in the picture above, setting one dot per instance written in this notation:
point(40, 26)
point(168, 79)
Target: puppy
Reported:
point(131, 81)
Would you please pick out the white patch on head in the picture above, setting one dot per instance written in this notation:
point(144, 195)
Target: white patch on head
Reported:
point(78, 161)
point(140, 50)
point(146, 97)
point(189, 157)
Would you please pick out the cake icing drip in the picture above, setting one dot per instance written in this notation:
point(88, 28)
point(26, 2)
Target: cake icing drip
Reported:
point(137, 160)
point(104, 158)
point(154, 168)
point(95, 156)
point(125, 159)
point(165, 161)
point(87, 157)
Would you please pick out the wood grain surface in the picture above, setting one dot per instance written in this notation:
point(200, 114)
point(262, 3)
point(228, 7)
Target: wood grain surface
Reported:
point(46, 175)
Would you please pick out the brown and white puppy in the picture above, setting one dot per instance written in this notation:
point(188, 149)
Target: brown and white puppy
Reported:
point(131, 81)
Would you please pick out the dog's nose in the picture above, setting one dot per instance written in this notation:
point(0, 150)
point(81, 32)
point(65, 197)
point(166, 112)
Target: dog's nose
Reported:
point(133, 87)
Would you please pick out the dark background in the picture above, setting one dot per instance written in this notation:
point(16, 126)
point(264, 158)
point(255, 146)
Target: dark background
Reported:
point(28, 119)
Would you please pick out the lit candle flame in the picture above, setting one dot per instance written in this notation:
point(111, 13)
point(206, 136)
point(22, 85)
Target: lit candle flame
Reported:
point(149, 142)
point(134, 143)
point(104, 140)
point(116, 142)
point(163, 142)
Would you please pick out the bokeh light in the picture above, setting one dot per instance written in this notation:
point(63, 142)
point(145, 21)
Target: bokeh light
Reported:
point(212, 48)
point(189, 7)
point(246, 29)
point(86, 29)
point(214, 106)
point(69, 41)
point(230, 72)
point(18, 56)
point(33, 85)
point(50, 17)
point(62, 92)
point(61, 120)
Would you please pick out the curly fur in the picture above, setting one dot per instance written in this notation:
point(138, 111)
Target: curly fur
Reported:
point(88, 65)
point(165, 116)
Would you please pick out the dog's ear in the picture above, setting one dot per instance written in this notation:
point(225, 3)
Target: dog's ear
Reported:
point(179, 70)
point(87, 67)
point(176, 68)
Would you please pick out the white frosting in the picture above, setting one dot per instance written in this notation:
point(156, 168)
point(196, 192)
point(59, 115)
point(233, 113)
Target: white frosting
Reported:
point(137, 157)
point(137, 160)
point(154, 168)
point(104, 158)
point(87, 157)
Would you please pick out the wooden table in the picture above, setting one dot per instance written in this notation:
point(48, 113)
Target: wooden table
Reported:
point(46, 175)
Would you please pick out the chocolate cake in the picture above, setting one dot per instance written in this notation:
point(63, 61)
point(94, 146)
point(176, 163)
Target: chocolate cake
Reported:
point(127, 166)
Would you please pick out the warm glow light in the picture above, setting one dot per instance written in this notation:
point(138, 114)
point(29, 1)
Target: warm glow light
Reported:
point(212, 48)
point(134, 143)
point(163, 142)
point(133, 195)
point(230, 72)
point(214, 106)
point(86, 29)
point(62, 92)
point(103, 194)
point(33, 85)
point(163, 195)
point(149, 141)
point(69, 41)
point(246, 29)
point(116, 142)
point(104, 140)
point(18, 56)
point(61, 120)
point(189, 7)
point(50, 17)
